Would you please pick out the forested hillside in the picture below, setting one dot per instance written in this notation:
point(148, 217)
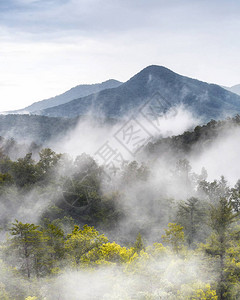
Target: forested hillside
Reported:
point(197, 140)
point(71, 219)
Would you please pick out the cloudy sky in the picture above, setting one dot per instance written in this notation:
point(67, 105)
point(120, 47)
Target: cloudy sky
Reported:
point(49, 46)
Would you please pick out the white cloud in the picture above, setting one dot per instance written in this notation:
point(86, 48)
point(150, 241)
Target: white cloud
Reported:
point(221, 158)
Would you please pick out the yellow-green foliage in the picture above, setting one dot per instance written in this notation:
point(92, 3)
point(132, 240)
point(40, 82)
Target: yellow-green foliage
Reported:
point(156, 250)
point(174, 236)
point(139, 262)
point(108, 253)
point(3, 294)
point(197, 292)
point(80, 242)
point(165, 274)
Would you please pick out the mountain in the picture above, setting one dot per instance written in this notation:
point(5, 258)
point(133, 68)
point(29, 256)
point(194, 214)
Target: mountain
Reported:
point(234, 89)
point(208, 101)
point(74, 93)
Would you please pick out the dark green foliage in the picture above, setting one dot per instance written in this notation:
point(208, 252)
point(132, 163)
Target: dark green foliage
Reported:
point(23, 171)
point(198, 139)
point(191, 215)
point(221, 219)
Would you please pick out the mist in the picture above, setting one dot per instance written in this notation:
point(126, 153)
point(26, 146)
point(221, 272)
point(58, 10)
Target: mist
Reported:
point(117, 283)
point(145, 192)
point(90, 134)
point(221, 157)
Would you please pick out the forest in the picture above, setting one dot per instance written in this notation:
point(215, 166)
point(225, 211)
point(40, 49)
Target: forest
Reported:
point(69, 230)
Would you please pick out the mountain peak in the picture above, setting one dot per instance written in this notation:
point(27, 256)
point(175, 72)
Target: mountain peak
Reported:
point(155, 70)
point(111, 81)
point(115, 100)
point(151, 78)
point(204, 100)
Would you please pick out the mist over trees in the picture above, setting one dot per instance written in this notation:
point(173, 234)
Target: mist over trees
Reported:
point(70, 229)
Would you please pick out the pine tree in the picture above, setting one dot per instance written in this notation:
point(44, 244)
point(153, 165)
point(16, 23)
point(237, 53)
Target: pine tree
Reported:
point(24, 241)
point(139, 245)
point(222, 218)
point(30, 249)
point(174, 236)
point(190, 214)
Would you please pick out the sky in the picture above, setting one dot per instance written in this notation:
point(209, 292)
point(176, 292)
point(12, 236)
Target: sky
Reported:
point(49, 46)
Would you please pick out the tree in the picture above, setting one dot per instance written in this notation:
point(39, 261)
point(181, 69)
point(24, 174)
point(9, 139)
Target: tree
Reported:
point(108, 253)
point(197, 291)
point(55, 241)
point(30, 247)
point(221, 219)
point(5, 163)
point(5, 179)
point(48, 160)
point(214, 190)
point(81, 241)
point(191, 214)
point(139, 245)
point(24, 171)
point(174, 236)
point(235, 197)
point(24, 242)
point(134, 172)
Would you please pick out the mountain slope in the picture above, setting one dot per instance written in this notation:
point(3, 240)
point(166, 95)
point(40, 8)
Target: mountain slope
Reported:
point(197, 140)
point(205, 100)
point(74, 93)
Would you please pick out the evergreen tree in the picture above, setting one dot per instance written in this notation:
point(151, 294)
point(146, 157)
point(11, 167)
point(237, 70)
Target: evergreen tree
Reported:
point(222, 218)
point(25, 239)
point(24, 171)
point(139, 245)
point(191, 214)
point(174, 236)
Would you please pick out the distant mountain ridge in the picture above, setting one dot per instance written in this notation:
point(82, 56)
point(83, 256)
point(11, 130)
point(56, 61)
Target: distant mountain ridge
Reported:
point(74, 93)
point(27, 128)
point(38, 129)
point(234, 89)
point(208, 101)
